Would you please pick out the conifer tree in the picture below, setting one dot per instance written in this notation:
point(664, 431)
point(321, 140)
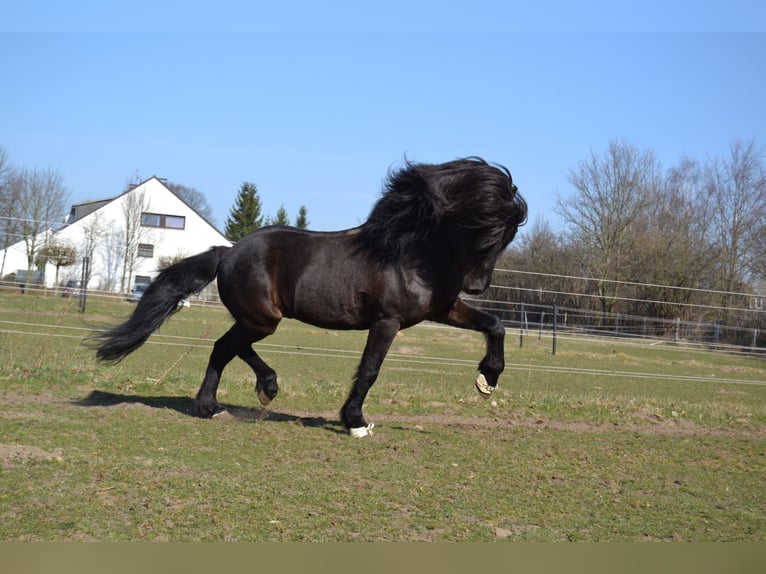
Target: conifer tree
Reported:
point(302, 221)
point(282, 217)
point(245, 216)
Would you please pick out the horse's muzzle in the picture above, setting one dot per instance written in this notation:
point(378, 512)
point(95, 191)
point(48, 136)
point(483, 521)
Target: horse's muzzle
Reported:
point(475, 286)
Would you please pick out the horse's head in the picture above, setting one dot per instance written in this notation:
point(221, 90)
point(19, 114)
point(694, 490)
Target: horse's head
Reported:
point(463, 212)
point(478, 257)
point(491, 212)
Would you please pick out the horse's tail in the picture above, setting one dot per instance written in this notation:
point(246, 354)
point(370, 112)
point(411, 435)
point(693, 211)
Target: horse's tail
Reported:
point(159, 301)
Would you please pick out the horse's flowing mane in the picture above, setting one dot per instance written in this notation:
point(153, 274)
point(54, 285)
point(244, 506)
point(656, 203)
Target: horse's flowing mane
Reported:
point(420, 199)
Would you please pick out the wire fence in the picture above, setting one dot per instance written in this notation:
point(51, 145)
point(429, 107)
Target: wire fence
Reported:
point(685, 315)
point(558, 323)
point(185, 343)
point(541, 319)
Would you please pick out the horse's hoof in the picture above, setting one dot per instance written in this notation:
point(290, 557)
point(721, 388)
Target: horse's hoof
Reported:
point(263, 397)
point(361, 432)
point(485, 390)
point(206, 411)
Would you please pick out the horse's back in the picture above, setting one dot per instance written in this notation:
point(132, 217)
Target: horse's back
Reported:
point(315, 277)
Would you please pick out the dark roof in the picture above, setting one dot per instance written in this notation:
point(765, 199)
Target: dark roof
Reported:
point(80, 210)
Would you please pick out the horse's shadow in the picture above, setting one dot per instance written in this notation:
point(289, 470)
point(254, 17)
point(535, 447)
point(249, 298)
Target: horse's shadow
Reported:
point(185, 406)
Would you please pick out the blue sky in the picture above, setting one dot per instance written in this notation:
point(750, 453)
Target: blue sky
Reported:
point(314, 103)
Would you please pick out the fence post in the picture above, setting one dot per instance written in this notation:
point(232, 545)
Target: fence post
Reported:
point(83, 283)
point(521, 327)
point(555, 325)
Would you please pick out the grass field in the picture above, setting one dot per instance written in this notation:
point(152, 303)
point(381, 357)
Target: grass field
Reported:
point(603, 441)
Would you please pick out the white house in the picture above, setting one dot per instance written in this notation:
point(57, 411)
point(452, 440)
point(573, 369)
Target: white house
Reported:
point(125, 239)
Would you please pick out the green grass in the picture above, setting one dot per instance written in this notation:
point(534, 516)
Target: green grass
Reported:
point(637, 450)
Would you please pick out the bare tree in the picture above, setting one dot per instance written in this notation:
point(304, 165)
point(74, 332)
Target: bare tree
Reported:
point(165, 261)
point(737, 186)
point(193, 198)
point(673, 246)
point(758, 257)
point(612, 193)
point(93, 233)
point(112, 245)
point(540, 250)
point(39, 200)
point(5, 167)
point(9, 228)
point(133, 206)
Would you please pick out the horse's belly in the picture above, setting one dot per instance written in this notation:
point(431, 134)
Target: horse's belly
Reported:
point(331, 304)
point(328, 315)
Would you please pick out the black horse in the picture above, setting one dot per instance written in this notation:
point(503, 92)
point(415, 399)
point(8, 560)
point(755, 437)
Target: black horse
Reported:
point(437, 230)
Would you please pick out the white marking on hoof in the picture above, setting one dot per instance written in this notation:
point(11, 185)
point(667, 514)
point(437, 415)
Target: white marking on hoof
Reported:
point(223, 415)
point(482, 386)
point(263, 397)
point(361, 432)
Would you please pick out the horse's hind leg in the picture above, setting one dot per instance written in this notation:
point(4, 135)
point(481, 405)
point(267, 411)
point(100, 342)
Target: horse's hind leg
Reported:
point(224, 350)
point(236, 342)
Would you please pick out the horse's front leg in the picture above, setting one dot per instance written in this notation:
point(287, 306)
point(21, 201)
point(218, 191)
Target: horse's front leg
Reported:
point(379, 341)
point(464, 316)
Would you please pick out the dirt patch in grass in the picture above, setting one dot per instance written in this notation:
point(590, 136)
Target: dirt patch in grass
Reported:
point(654, 425)
point(12, 454)
point(650, 424)
point(407, 350)
point(671, 427)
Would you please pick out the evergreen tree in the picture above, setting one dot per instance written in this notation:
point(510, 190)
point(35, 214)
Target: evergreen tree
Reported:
point(281, 218)
point(245, 216)
point(302, 221)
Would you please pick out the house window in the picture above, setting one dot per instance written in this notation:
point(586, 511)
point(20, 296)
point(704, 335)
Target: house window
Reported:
point(151, 219)
point(145, 250)
point(175, 222)
point(163, 220)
